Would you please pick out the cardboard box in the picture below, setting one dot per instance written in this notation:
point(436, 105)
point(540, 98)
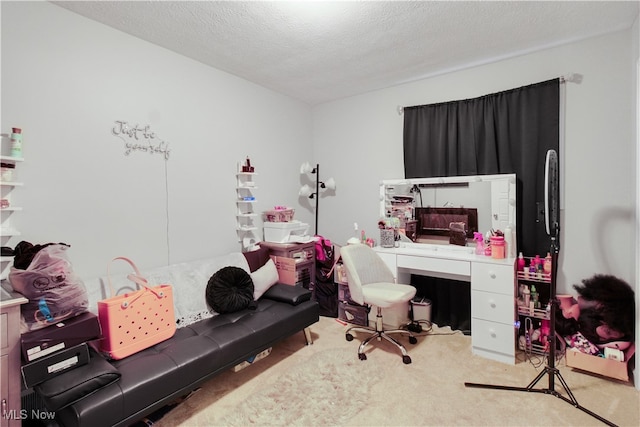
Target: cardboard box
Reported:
point(252, 360)
point(600, 365)
point(59, 336)
point(54, 364)
point(353, 313)
point(294, 271)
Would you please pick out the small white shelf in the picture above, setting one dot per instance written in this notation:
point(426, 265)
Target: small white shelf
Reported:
point(11, 209)
point(11, 184)
point(245, 215)
point(11, 159)
point(6, 258)
point(9, 233)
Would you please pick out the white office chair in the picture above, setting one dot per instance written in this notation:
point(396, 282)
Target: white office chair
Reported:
point(371, 283)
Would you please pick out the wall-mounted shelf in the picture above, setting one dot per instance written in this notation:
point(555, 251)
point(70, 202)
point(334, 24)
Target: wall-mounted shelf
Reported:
point(7, 231)
point(246, 229)
point(11, 159)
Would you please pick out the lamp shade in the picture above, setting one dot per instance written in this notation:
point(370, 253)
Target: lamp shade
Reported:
point(305, 191)
point(330, 184)
point(306, 168)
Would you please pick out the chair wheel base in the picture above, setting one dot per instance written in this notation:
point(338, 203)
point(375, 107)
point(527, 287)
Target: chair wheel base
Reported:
point(406, 360)
point(363, 356)
point(413, 340)
point(349, 337)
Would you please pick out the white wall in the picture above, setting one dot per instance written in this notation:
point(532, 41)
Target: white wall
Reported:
point(359, 141)
point(67, 79)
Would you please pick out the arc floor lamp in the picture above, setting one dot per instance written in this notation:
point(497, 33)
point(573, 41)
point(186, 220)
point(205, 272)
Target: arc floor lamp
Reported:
point(307, 191)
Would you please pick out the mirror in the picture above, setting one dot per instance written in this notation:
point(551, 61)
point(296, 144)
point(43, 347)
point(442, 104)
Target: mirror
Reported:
point(428, 206)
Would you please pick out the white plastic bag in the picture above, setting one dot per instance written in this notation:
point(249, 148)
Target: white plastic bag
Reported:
point(54, 291)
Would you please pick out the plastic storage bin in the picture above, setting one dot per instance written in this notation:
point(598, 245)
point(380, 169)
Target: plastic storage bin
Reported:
point(284, 232)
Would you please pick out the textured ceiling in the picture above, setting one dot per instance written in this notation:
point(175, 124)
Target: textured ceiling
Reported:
point(322, 51)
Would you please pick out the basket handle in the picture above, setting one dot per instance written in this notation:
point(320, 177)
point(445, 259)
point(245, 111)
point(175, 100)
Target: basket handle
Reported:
point(136, 278)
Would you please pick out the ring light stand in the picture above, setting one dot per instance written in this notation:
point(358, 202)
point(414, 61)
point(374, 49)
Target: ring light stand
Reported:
point(553, 229)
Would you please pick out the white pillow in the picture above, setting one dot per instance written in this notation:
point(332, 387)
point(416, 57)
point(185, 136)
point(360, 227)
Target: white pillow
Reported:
point(263, 278)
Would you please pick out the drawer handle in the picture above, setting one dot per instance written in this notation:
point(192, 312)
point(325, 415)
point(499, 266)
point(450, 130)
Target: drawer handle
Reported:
point(492, 304)
point(492, 333)
point(492, 274)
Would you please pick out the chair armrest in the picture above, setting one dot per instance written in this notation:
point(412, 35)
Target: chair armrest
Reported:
point(293, 295)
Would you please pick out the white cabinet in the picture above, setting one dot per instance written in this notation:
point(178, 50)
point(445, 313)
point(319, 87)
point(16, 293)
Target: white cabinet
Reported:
point(8, 231)
point(10, 404)
point(492, 311)
point(246, 214)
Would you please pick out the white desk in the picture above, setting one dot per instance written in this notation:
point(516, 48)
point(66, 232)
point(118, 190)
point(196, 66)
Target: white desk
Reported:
point(492, 289)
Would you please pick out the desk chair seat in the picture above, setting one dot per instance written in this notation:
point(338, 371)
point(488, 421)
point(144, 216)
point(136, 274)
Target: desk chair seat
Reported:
point(371, 283)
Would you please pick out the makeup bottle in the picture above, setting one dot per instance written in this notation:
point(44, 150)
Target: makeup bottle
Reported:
point(520, 262)
point(547, 264)
point(534, 296)
point(16, 142)
point(526, 296)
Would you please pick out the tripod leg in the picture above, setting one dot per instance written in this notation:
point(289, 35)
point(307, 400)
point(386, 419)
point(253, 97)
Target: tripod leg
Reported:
point(538, 378)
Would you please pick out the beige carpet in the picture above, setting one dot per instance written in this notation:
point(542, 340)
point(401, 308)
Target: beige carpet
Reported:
point(326, 385)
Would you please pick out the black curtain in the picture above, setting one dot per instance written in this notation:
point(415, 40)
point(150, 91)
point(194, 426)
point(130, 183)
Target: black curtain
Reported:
point(504, 132)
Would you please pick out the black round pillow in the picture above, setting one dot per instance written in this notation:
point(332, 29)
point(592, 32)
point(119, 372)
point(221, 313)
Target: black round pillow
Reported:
point(230, 289)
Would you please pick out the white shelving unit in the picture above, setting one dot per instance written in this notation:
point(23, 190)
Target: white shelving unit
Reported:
point(246, 215)
point(7, 231)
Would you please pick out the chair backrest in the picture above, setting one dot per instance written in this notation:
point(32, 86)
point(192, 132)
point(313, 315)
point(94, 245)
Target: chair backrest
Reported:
point(363, 266)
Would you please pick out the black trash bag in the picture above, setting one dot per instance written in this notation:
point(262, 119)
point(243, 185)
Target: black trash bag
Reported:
point(326, 290)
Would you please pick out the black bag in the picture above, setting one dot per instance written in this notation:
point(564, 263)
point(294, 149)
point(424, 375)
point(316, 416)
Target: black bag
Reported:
point(325, 291)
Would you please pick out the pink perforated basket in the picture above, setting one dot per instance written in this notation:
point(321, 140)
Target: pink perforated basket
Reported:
point(134, 321)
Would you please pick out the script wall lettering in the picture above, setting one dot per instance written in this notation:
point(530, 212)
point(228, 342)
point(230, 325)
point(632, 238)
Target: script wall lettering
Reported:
point(138, 138)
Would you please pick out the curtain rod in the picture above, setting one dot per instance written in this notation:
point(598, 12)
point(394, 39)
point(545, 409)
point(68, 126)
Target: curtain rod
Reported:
point(567, 78)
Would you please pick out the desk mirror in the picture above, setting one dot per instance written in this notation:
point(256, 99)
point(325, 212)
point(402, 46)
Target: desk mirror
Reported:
point(427, 206)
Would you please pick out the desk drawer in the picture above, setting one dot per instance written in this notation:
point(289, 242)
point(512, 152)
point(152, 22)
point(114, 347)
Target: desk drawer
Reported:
point(437, 265)
point(492, 336)
point(492, 278)
point(492, 306)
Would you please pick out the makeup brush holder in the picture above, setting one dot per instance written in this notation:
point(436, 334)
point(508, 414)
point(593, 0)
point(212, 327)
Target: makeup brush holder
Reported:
point(387, 238)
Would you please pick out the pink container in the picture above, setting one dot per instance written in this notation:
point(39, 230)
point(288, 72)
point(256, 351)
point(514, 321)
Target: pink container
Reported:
point(279, 214)
point(497, 247)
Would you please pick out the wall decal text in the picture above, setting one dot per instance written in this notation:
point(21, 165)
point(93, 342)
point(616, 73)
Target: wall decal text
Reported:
point(138, 138)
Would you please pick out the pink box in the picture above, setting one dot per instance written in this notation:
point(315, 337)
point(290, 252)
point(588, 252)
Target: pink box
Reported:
point(279, 215)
